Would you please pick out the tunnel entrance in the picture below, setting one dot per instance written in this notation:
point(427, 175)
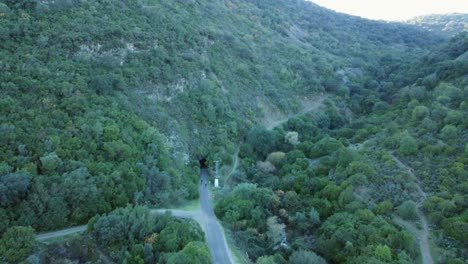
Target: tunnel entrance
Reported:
point(203, 163)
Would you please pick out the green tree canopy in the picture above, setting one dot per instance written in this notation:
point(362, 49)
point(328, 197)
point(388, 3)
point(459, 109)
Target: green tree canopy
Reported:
point(17, 243)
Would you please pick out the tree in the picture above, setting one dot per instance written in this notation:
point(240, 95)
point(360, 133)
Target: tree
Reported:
point(50, 163)
point(111, 133)
point(314, 217)
point(275, 259)
point(136, 255)
point(17, 243)
point(81, 194)
point(304, 256)
point(456, 227)
point(420, 112)
point(265, 260)
point(105, 84)
point(325, 146)
point(21, 4)
point(4, 220)
point(195, 252)
point(344, 237)
point(383, 253)
point(449, 133)
point(408, 145)
point(292, 138)
point(261, 140)
point(158, 185)
point(276, 158)
point(246, 151)
point(176, 235)
point(407, 210)
point(13, 187)
point(384, 207)
point(454, 118)
point(109, 230)
point(275, 231)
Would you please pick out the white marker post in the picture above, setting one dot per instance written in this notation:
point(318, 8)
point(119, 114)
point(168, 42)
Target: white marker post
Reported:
point(216, 181)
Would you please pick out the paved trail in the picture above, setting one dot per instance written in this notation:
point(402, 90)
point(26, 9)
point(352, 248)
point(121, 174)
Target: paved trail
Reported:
point(424, 233)
point(213, 230)
point(204, 216)
point(207, 219)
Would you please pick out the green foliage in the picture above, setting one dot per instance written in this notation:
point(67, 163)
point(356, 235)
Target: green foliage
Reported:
point(383, 253)
point(325, 146)
point(407, 210)
point(193, 253)
point(343, 184)
point(449, 133)
point(246, 206)
point(344, 237)
point(28, 5)
point(50, 163)
point(246, 210)
point(275, 231)
point(303, 256)
point(384, 208)
point(17, 243)
point(408, 145)
point(261, 140)
point(314, 217)
point(420, 112)
point(447, 24)
point(265, 260)
point(124, 231)
point(73, 249)
point(275, 259)
point(13, 187)
point(176, 235)
point(106, 104)
point(456, 227)
point(276, 158)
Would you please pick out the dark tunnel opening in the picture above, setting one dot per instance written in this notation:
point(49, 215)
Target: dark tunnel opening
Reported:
point(203, 163)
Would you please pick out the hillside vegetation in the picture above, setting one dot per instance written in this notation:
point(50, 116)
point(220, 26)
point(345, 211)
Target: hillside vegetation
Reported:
point(111, 103)
point(448, 25)
point(349, 192)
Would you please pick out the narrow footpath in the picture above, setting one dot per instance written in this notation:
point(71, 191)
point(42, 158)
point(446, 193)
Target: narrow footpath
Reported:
point(234, 167)
point(424, 233)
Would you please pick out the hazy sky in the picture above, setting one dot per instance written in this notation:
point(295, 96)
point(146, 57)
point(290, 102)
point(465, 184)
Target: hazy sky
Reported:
point(394, 9)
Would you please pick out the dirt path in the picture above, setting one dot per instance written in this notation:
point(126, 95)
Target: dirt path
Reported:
point(234, 167)
point(424, 233)
point(271, 122)
point(105, 258)
point(60, 233)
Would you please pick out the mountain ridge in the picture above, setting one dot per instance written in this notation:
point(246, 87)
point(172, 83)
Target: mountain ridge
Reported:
point(445, 24)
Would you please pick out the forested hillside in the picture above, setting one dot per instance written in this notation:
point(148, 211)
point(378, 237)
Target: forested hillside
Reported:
point(110, 103)
point(359, 191)
point(449, 25)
